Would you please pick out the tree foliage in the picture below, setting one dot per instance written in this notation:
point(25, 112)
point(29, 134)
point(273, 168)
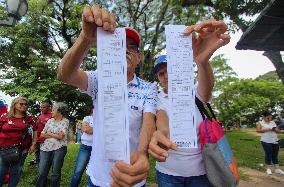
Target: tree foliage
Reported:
point(245, 100)
point(270, 76)
point(30, 51)
point(240, 14)
point(224, 75)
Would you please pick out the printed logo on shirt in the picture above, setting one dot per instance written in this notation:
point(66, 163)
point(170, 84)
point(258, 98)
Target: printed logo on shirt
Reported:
point(134, 107)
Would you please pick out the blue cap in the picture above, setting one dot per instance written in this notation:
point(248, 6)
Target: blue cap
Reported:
point(162, 59)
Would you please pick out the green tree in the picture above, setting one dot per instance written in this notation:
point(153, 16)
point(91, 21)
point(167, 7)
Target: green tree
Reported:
point(238, 12)
point(224, 75)
point(270, 76)
point(149, 18)
point(30, 52)
point(245, 100)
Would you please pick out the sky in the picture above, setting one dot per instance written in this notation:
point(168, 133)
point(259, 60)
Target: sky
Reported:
point(246, 63)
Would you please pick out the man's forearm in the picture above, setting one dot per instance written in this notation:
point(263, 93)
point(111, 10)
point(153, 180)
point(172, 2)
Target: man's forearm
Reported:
point(147, 130)
point(205, 79)
point(162, 122)
point(73, 58)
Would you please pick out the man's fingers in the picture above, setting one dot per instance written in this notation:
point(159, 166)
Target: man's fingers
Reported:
point(225, 39)
point(163, 140)
point(112, 22)
point(220, 25)
point(105, 19)
point(116, 176)
point(132, 170)
point(156, 156)
point(204, 24)
point(114, 184)
point(97, 13)
point(124, 179)
point(188, 30)
point(88, 15)
point(158, 150)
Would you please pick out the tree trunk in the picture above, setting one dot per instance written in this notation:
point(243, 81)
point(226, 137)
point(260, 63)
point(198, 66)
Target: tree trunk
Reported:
point(276, 59)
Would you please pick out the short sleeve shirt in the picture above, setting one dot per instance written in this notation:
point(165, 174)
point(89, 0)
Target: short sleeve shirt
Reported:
point(51, 144)
point(189, 161)
point(270, 136)
point(15, 130)
point(87, 139)
point(142, 98)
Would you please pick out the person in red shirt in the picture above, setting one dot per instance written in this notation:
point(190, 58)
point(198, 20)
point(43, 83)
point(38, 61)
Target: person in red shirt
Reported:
point(16, 127)
point(45, 108)
point(3, 108)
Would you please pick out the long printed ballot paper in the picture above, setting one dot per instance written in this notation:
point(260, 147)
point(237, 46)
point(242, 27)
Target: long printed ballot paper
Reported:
point(181, 90)
point(112, 94)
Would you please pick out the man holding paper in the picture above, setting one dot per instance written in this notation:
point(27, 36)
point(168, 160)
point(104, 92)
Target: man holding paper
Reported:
point(184, 166)
point(142, 98)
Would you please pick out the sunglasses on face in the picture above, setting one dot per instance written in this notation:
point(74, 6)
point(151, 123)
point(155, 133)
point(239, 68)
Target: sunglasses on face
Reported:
point(23, 104)
point(132, 47)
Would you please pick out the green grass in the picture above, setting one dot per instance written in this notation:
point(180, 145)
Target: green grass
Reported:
point(30, 172)
point(247, 150)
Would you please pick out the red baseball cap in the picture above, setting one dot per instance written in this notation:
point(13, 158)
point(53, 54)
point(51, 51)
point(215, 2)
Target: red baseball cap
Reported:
point(132, 33)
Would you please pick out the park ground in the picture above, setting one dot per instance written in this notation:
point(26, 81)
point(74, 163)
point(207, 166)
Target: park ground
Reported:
point(245, 145)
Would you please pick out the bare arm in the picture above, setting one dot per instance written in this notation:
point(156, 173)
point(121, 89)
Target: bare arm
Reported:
point(34, 138)
point(259, 129)
point(277, 130)
point(92, 17)
point(69, 67)
point(59, 136)
point(162, 122)
point(45, 135)
point(87, 128)
point(211, 36)
point(32, 147)
point(147, 130)
point(205, 80)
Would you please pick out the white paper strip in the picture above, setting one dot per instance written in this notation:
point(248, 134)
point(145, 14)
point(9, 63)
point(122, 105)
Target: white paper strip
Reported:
point(181, 87)
point(112, 94)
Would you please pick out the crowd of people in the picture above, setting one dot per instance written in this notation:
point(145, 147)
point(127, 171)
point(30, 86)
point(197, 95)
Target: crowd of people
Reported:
point(147, 112)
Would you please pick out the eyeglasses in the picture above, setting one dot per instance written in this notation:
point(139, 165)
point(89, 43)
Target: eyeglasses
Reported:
point(132, 47)
point(23, 104)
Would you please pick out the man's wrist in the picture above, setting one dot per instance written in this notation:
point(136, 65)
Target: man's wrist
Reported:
point(203, 65)
point(144, 151)
point(88, 42)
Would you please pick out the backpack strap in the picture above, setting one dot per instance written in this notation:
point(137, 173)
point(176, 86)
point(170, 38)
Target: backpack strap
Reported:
point(211, 111)
point(204, 113)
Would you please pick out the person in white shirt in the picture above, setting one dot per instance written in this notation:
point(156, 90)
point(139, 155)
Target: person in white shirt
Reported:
point(179, 166)
point(54, 147)
point(142, 101)
point(85, 149)
point(269, 142)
